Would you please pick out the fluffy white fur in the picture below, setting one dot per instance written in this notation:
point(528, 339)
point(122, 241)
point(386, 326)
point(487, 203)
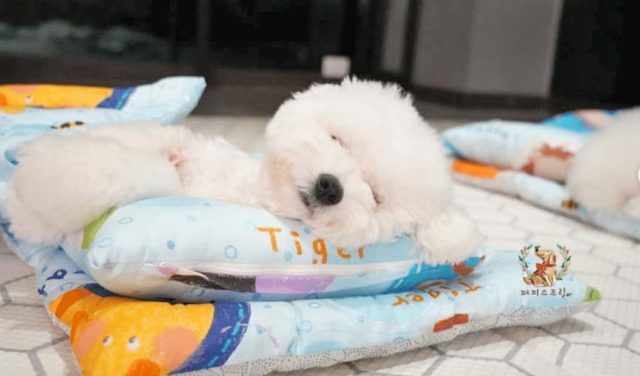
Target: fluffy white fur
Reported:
point(387, 159)
point(63, 182)
point(604, 172)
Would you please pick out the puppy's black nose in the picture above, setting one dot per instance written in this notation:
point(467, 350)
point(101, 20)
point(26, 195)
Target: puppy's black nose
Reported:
point(327, 190)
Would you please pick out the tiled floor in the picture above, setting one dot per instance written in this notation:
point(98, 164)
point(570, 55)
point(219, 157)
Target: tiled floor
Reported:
point(605, 341)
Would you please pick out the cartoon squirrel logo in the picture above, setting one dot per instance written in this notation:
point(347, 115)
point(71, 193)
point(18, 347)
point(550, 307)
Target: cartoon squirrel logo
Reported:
point(546, 272)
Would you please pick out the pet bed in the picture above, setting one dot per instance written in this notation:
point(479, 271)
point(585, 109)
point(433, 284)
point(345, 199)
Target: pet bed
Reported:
point(110, 334)
point(530, 161)
point(405, 307)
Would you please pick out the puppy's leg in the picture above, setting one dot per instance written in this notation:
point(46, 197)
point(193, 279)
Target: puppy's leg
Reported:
point(62, 183)
point(148, 136)
point(449, 237)
point(29, 226)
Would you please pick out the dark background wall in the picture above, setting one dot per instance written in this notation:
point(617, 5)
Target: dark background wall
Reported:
point(594, 59)
point(591, 50)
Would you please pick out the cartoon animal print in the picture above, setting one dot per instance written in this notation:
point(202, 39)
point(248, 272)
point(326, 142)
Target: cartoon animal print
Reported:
point(7, 106)
point(112, 335)
point(67, 125)
point(550, 162)
point(568, 203)
point(545, 273)
point(450, 322)
point(118, 336)
point(462, 269)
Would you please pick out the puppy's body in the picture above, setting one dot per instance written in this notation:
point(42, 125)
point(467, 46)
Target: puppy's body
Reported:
point(63, 182)
point(604, 172)
point(354, 161)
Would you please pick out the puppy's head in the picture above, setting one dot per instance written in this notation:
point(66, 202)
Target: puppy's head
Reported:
point(546, 255)
point(309, 174)
point(325, 161)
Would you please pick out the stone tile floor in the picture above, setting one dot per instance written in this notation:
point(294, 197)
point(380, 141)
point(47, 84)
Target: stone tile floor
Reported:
point(605, 341)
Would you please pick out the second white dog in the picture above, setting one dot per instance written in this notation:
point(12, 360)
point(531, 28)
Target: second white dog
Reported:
point(605, 172)
point(355, 161)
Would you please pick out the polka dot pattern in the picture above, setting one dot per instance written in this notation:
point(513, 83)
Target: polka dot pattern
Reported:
point(230, 252)
point(306, 326)
point(105, 242)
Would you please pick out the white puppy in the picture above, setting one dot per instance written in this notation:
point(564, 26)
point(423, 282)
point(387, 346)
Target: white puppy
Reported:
point(354, 161)
point(62, 182)
point(358, 164)
point(604, 172)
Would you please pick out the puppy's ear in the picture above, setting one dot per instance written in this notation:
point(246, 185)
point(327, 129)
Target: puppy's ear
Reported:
point(449, 237)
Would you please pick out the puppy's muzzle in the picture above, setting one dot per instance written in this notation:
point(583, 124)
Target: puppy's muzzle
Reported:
point(327, 190)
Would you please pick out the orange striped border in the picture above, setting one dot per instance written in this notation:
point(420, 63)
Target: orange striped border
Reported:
point(475, 170)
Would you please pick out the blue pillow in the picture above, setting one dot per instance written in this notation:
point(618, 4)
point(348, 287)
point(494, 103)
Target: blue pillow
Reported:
point(195, 250)
point(168, 100)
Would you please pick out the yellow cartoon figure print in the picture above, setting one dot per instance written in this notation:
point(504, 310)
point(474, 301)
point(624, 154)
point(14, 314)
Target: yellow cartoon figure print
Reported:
point(131, 337)
point(14, 98)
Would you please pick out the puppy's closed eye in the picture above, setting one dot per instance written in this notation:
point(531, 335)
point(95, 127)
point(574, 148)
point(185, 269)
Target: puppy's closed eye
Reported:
point(339, 141)
point(377, 198)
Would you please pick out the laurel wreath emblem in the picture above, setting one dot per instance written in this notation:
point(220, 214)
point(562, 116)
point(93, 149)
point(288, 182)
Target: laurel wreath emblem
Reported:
point(566, 261)
point(562, 250)
point(522, 259)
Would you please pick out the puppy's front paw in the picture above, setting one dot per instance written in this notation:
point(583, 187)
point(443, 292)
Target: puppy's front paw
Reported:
point(448, 238)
